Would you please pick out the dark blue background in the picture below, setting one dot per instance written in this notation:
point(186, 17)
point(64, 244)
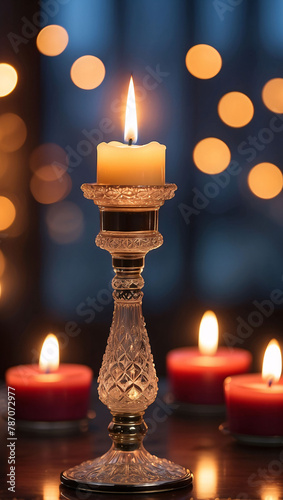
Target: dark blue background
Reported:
point(227, 256)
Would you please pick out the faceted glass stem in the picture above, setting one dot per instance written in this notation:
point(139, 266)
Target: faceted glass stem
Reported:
point(127, 379)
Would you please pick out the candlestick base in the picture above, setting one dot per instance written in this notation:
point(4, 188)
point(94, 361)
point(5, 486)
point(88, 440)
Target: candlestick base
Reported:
point(144, 474)
point(127, 378)
point(127, 466)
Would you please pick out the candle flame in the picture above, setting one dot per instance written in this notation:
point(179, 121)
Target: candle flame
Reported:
point(208, 334)
point(272, 362)
point(49, 355)
point(131, 124)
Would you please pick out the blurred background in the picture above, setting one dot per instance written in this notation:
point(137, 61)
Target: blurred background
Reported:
point(209, 85)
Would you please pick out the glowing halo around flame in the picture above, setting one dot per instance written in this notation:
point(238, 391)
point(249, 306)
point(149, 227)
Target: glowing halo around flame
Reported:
point(272, 362)
point(49, 355)
point(208, 334)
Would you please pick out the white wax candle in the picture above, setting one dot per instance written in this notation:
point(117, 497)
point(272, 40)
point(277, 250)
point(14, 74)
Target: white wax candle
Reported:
point(119, 163)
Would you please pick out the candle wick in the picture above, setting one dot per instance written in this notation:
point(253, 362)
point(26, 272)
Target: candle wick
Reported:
point(47, 369)
point(270, 382)
point(130, 142)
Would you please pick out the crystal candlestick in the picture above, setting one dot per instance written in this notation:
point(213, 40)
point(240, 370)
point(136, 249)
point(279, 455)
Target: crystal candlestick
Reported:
point(127, 378)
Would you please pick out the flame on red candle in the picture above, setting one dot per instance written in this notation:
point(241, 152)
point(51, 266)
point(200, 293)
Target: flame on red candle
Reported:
point(49, 355)
point(131, 123)
point(208, 334)
point(272, 363)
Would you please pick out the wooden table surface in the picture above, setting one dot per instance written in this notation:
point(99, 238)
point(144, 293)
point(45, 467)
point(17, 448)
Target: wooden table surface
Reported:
point(222, 468)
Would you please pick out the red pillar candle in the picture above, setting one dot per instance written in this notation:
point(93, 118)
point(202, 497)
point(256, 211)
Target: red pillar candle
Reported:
point(196, 375)
point(255, 401)
point(50, 392)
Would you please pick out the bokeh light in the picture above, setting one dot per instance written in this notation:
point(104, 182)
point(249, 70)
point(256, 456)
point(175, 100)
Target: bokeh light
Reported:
point(203, 61)
point(235, 109)
point(7, 213)
point(88, 72)
point(272, 95)
point(2, 263)
point(211, 155)
point(265, 180)
point(49, 173)
point(46, 154)
point(13, 132)
point(21, 221)
point(4, 163)
point(47, 192)
point(8, 79)
point(49, 162)
point(52, 40)
point(65, 222)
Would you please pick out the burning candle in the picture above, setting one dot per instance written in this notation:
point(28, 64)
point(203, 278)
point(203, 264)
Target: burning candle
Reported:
point(50, 391)
point(129, 164)
point(196, 375)
point(255, 401)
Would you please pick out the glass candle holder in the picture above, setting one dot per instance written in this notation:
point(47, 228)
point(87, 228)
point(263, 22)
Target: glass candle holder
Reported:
point(127, 378)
